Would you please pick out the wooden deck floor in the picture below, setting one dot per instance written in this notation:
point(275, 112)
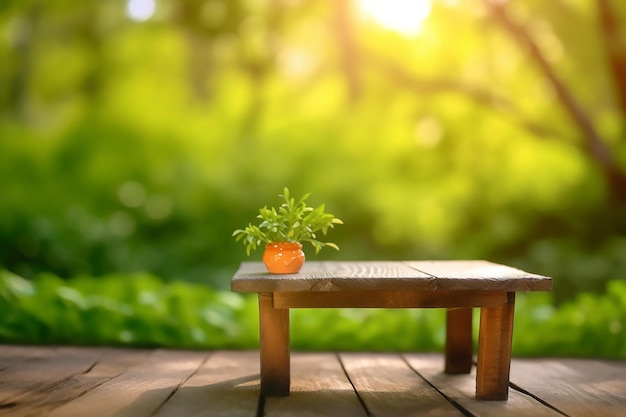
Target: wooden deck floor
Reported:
point(97, 382)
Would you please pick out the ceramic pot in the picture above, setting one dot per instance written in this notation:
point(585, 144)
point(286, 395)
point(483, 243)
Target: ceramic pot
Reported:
point(283, 257)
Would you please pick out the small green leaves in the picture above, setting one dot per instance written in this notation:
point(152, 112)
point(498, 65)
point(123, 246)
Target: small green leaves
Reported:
point(293, 221)
point(332, 245)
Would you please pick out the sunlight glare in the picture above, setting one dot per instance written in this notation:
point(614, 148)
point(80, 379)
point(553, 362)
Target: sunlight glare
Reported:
point(140, 10)
point(401, 16)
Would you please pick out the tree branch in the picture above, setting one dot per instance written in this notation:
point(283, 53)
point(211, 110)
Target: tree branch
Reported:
point(617, 54)
point(347, 46)
point(593, 144)
point(408, 81)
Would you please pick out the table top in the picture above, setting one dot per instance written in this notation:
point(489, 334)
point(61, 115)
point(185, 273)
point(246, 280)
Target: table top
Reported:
point(390, 275)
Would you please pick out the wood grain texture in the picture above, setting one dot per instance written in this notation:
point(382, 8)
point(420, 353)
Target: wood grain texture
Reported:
point(274, 341)
point(26, 380)
point(389, 299)
point(387, 275)
point(227, 385)
point(11, 355)
point(459, 348)
point(320, 389)
point(332, 276)
point(111, 363)
point(472, 275)
point(139, 391)
point(576, 387)
point(390, 388)
point(460, 389)
point(494, 351)
point(66, 381)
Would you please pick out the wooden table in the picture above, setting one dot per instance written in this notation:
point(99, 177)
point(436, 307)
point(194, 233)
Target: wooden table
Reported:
point(457, 286)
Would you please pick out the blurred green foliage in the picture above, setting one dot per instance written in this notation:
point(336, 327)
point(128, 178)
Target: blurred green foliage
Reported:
point(141, 310)
point(134, 144)
point(136, 310)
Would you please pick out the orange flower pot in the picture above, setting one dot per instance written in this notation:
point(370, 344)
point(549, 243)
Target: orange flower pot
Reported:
point(283, 257)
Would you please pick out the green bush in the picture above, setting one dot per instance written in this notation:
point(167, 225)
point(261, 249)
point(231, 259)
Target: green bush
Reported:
point(142, 310)
point(136, 310)
point(590, 325)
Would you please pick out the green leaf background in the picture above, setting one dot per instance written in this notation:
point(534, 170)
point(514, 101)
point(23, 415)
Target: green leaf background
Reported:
point(130, 151)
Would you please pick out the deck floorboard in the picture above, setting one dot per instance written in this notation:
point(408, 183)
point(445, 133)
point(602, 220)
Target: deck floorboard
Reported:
point(100, 382)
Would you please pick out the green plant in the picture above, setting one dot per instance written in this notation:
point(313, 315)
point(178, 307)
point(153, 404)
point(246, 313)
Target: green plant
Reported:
point(293, 221)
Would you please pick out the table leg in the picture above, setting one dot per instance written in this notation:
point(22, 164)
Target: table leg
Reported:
point(459, 350)
point(274, 335)
point(494, 350)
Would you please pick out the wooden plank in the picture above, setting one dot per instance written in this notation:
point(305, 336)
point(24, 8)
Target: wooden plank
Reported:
point(25, 379)
point(365, 274)
point(388, 275)
point(253, 277)
point(332, 276)
point(389, 387)
point(227, 385)
point(138, 392)
point(319, 388)
point(460, 389)
point(13, 354)
point(112, 363)
point(389, 299)
point(577, 387)
point(140, 383)
point(255, 270)
point(481, 275)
